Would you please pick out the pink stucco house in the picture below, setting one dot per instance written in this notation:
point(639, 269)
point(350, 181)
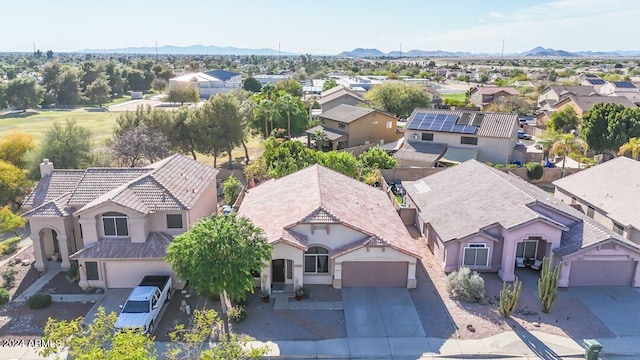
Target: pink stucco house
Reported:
point(117, 222)
point(476, 216)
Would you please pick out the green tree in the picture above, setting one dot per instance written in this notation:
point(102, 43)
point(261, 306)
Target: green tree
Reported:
point(13, 183)
point(510, 104)
point(68, 92)
point(607, 126)
point(138, 80)
point(207, 255)
point(219, 124)
point(566, 145)
point(329, 84)
point(23, 93)
point(264, 111)
point(251, 84)
point(287, 157)
point(97, 340)
point(375, 159)
point(397, 98)
point(181, 137)
point(563, 120)
point(51, 77)
point(290, 86)
point(3, 96)
point(99, 91)
point(231, 188)
point(14, 146)
point(340, 161)
point(138, 145)
point(183, 93)
point(623, 125)
point(631, 147)
point(68, 146)
point(9, 221)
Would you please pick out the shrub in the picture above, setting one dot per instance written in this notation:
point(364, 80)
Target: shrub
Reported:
point(534, 170)
point(9, 246)
point(236, 313)
point(9, 276)
point(72, 273)
point(466, 285)
point(39, 301)
point(512, 166)
point(90, 290)
point(232, 188)
point(4, 296)
point(498, 166)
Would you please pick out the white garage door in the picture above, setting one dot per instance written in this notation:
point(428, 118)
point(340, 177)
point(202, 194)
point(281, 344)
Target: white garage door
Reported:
point(374, 274)
point(602, 273)
point(127, 274)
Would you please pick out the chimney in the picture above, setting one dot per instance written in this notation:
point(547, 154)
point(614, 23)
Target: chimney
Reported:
point(46, 168)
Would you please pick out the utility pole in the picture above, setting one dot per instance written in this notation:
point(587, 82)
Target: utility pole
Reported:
point(400, 49)
point(34, 48)
point(502, 55)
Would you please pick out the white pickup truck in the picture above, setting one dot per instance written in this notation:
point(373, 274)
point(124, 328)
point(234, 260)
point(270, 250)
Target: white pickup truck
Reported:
point(143, 306)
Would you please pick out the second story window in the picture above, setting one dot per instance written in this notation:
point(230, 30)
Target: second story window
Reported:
point(115, 224)
point(341, 126)
point(427, 137)
point(174, 221)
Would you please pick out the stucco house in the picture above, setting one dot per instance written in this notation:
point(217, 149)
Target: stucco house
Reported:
point(609, 193)
point(484, 95)
point(617, 88)
point(552, 94)
point(337, 96)
point(582, 104)
point(209, 83)
point(477, 216)
point(484, 136)
point(327, 228)
point(348, 126)
point(117, 222)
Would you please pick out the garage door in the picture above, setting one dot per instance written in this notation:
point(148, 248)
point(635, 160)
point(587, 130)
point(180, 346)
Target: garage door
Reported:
point(602, 273)
point(374, 274)
point(127, 274)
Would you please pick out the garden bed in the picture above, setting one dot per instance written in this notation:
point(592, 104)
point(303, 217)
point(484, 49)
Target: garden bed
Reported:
point(61, 285)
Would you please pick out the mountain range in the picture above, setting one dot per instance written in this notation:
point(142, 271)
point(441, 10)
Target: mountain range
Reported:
point(356, 53)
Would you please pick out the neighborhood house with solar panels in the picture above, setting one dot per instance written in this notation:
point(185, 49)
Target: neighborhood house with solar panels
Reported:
point(409, 204)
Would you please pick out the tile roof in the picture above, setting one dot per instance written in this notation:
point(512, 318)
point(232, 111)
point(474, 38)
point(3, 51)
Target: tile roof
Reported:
point(421, 151)
point(332, 134)
point(576, 90)
point(340, 91)
point(587, 102)
point(346, 113)
point(174, 183)
point(613, 186)
point(462, 200)
point(488, 90)
point(155, 247)
point(52, 208)
point(322, 193)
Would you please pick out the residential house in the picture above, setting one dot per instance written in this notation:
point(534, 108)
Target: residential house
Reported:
point(271, 79)
point(593, 81)
point(487, 137)
point(117, 222)
point(337, 96)
point(609, 193)
point(209, 83)
point(582, 104)
point(484, 95)
point(336, 231)
point(479, 217)
point(617, 88)
point(347, 126)
point(552, 94)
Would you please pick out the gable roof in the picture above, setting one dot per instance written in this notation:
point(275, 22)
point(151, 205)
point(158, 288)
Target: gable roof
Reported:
point(577, 90)
point(336, 93)
point(348, 113)
point(222, 75)
point(587, 102)
point(487, 124)
point(324, 196)
point(489, 90)
point(174, 183)
point(613, 186)
point(623, 84)
point(462, 200)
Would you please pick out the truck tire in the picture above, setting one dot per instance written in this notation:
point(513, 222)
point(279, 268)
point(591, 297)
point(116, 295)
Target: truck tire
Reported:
point(168, 296)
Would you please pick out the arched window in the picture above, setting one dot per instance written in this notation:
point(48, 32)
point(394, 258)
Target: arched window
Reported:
point(115, 224)
point(316, 260)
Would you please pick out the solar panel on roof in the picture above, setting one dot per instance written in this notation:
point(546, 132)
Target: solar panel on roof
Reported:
point(477, 119)
point(464, 119)
point(469, 130)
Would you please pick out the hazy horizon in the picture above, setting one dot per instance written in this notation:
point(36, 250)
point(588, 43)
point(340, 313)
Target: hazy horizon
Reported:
point(329, 27)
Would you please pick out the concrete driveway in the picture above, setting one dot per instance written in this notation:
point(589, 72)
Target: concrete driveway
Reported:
point(617, 307)
point(380, 312)
point(110, 302)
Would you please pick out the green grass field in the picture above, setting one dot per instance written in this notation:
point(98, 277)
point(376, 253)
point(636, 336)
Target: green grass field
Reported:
point(100, 123)
point(457, 97)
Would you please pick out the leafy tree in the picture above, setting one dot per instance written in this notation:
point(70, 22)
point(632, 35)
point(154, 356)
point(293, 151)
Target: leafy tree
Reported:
point(138, 80)
point(99, 91)
point(49, 54)
point(217, 126)
point(567, 144)
point(340, 161)
point(159, 84)
point(154, 118)
point(329, 84)
point(631, 147)
point(623, 125)
point(207, 255)
point(14, 146)
point(464, 78)
point(13, 182)
point(510, 104)
point(51, 77)
point(535, 170)
point(286, 158)
point(136, 145)
point(68, 145)
point(97, 340)
point(23, 93)
point(606, 127)
point(91, 71)
point(264, 110)
point(563, 120)
point(376, 158)
point(181, 137)
point(397, 98)
point(68, 88)
point(232, 188)
point(251, 84)
point(183, 93)
point(290, 86)
point(3, 96)
point(9, 221)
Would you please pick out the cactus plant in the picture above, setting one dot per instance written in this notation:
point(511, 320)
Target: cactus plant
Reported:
point(548, 283)
point(509, 297)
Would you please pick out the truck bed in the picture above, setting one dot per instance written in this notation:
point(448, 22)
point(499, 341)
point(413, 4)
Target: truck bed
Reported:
point(158, 281)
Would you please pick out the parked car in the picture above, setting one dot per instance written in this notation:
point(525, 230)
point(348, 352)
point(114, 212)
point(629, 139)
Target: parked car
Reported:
point(523, 135)
point(144, 304)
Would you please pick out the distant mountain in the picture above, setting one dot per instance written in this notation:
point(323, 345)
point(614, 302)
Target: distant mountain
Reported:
point(188, 50)
point(427, 53)
point(543, 52)
point(360, 52)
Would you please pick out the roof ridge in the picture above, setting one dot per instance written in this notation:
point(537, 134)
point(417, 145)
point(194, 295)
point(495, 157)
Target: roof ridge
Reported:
point(175, 197)
point(506, 177)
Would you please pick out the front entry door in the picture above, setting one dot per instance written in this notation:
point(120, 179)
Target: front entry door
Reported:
point(277, 270)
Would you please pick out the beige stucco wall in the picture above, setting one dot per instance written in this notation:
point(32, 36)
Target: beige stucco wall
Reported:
point(338, 236)
point(206, 205)
point(287, 252)
point(372, 128)
point(344, 99)
point(157, 222)
point(125, 268)
point(381, 254)
point(93, 229)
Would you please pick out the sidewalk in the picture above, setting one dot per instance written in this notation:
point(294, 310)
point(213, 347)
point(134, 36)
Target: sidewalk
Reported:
point(52, 270)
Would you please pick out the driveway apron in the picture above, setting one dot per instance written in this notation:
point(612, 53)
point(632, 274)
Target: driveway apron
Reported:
point(380, 312)
point(616, 307)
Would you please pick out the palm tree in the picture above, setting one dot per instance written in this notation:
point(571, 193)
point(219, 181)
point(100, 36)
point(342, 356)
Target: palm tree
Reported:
point(320, 137)
point(567, 144)
point(632, 146)
point(266, 109)
point(287, 102)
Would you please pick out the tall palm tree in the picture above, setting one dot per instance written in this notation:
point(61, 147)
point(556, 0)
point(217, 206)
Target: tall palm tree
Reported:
point(288, 103)
point(565, 145)
point(632, 146)
point(320, 138)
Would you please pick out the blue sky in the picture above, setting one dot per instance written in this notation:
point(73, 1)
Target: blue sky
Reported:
point(323, 27)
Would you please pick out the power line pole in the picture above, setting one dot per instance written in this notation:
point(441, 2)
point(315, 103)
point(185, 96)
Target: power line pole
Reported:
point(502, 55)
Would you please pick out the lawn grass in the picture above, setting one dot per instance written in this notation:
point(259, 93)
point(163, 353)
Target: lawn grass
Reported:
point(101, 123)
point(455, 97)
